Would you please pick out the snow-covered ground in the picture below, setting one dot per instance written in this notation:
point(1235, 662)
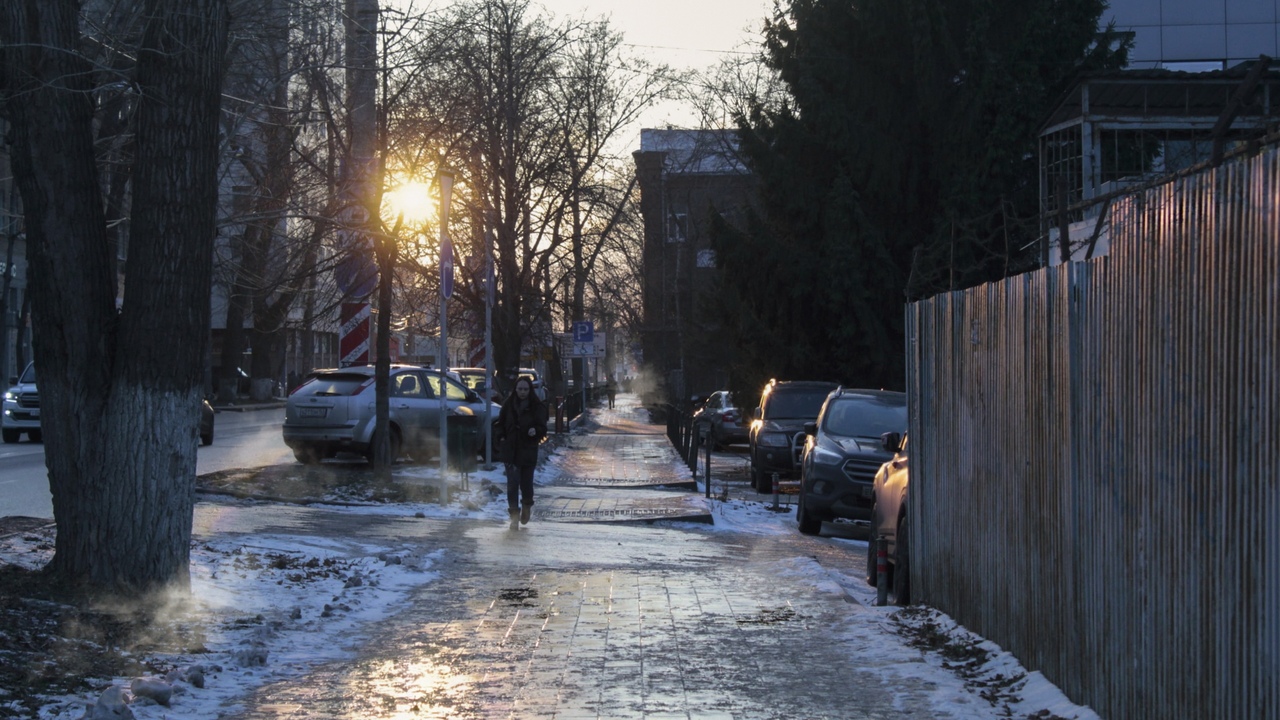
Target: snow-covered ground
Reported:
point(266, 608)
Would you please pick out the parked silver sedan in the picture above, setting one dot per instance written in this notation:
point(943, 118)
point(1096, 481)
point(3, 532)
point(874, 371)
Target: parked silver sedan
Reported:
point(724, 421)
point(334, 411)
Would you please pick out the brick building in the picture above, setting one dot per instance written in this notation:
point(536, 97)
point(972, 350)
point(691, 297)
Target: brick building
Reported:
point(685, 177)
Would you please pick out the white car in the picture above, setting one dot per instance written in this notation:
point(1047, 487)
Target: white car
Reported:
point(479, 380)
point(22, 407)
point(538, 388)
point(22, 411)
point(334, 411)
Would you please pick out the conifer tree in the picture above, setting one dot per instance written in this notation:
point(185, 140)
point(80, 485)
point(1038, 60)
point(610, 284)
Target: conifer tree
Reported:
point(903, 164)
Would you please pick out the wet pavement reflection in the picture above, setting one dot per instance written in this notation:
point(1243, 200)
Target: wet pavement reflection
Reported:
point(593, 620)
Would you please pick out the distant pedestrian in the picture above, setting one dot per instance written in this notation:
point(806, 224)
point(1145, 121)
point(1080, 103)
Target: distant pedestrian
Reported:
point(522, 424)
point(611, 387)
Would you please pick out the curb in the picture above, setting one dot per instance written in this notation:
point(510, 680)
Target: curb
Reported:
point(250, 408)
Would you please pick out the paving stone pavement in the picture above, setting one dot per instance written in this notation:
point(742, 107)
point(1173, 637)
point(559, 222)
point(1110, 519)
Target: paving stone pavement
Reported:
point(600, 620)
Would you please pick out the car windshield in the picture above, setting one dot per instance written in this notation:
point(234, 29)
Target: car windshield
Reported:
point(28, 375)
point(795, 404)
point(472, 380)
point(454, 390)
point(865, 416)
point(336, 383)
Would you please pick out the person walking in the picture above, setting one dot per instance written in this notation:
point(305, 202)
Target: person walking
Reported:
point(611, 387)
point(522, 424)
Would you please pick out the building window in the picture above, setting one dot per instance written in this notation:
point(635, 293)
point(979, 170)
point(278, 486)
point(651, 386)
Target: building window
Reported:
point(706, 258)
point(677, 227)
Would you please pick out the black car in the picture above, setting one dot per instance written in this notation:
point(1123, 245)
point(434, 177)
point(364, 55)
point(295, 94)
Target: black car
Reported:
point(777, 431)
point(843, 452)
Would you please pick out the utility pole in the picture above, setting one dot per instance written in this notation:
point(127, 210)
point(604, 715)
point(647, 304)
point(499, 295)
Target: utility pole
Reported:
point(360, 23)
point(489, 377)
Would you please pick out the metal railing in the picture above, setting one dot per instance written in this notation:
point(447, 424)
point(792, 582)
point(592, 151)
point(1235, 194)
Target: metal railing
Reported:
point(569, 407)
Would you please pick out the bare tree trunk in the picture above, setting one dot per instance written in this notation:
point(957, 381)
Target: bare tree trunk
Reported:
point(120, 391)
point(11, 239)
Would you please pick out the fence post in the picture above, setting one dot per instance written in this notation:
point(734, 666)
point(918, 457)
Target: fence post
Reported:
point(559, 414)
point(708, 466)
point(691, 456)
point(882, 570)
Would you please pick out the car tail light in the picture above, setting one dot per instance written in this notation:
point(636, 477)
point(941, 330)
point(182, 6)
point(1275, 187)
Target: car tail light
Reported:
point(364, 385)
point(729, 417)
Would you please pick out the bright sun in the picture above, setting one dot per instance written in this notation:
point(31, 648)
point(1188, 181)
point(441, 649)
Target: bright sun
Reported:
point(416, 200)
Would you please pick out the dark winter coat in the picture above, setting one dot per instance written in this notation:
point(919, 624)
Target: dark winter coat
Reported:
point(514, 421)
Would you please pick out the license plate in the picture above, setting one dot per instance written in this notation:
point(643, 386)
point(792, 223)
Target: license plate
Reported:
point(313, 412)
point(868, 491)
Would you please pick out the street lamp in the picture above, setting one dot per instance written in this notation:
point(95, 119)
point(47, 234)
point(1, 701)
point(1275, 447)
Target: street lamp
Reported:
point(445, 179)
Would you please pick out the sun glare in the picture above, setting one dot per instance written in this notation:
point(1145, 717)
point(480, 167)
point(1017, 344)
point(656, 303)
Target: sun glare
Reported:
point(415, 200)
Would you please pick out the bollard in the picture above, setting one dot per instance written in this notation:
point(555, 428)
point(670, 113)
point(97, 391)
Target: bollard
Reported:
point(708, 481)
point(882, 571)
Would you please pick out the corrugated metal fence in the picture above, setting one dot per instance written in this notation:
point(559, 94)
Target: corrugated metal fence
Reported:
point(1095, 455)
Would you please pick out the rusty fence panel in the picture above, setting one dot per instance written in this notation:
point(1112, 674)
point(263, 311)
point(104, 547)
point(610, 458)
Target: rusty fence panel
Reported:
point(1096, 455)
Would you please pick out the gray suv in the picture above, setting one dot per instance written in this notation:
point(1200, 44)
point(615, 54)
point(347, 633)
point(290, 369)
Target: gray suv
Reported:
point(776, 434)
point(842, 453)
point(333, 411)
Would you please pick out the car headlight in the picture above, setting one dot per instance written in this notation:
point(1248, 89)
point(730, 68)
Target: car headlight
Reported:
point(774, 440)
point(823, 456)
point(10, 396)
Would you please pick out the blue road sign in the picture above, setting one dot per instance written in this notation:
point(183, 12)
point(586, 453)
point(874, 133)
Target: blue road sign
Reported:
point(584, 332)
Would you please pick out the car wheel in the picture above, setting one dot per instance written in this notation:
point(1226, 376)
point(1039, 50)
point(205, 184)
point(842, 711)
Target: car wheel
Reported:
point(306, 454)
point(396, 448)
point(902, 564)
point(810, 524)
point(12, 436)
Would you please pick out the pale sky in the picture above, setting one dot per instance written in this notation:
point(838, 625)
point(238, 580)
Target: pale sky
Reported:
point(682, 33)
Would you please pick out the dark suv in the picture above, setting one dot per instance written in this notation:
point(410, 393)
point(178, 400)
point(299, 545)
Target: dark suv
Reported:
point(777, 432)
point(843, 452)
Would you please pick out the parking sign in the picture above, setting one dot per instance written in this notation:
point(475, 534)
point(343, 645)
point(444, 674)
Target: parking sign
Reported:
point(584, 332)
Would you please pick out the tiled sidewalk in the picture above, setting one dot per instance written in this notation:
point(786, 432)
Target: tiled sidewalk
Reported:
point(571, 619)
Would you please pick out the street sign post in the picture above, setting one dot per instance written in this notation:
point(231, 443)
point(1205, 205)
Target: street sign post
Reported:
point(583, 335)
point(446, 268)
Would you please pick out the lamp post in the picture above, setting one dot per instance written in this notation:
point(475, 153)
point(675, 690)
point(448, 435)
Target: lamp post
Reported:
point(488, 340)
point(445, 178)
